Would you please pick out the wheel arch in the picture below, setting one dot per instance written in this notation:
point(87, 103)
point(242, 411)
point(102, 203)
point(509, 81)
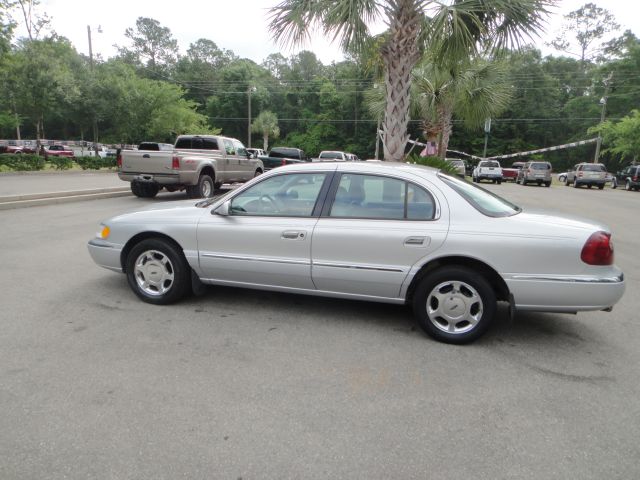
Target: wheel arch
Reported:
point(489, 273)
point(208, 170)
point(136, 239)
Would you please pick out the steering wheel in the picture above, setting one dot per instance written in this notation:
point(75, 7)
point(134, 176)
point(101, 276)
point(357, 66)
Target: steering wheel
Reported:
point(267, 199)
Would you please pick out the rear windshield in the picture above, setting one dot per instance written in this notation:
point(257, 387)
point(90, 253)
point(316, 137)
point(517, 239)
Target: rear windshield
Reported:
point(489, 164)
point(336, 155)
point(593, 167)
point(540, 166)
point(284, 153)
point(197, 143)
point(482, 200)
point(149, 146)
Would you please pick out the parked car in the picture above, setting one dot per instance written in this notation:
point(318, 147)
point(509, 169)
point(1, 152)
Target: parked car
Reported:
point(488, 170)
point(59, 151)
point(352, 157)
point(17, 149)
point(458, 164)
point(535, 172)
point(386, 232)
point(279, 156)
point(256, 152)
point(512, 173)
point(588, 174)
point(628, 177)
point(332, 156)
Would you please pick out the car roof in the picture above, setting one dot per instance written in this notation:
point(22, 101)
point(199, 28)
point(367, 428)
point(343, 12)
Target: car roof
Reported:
point(373, 167)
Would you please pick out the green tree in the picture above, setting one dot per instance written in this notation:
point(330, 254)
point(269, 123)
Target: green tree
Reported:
point(589, 24)
point(266, 124)
point(622, 138)
point(152, 46)
point(455, 30)
point(472, 91)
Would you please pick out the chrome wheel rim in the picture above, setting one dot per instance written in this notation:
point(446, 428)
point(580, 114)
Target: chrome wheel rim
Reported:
point(454, 307)
point(206, 189)
point(154, 273)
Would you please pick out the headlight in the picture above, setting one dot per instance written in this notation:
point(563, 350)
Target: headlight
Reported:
point(104, 232)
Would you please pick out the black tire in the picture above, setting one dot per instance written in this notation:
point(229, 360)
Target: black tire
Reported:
point(589, 185)
point(523, 182)
point(567, 183)
point(493, 181)
point(135, 189)
point(627, 186)
point(547, 184)
point(203, 189)
point(439, 327)
point(575, 184)
point(499, 182)
point(474, 179)
point(539, 183)
point(155, 250)
point(257, 173)
point(144, 189)
point(601, 187)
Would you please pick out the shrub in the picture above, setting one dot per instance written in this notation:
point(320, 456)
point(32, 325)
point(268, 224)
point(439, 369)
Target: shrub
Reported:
point(61, 163)
point(435, 162)
point(95, 163)
point(22, 162)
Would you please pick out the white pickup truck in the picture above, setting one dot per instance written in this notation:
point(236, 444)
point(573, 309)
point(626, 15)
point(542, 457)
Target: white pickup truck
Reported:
point(487, 170)
point(198, 164)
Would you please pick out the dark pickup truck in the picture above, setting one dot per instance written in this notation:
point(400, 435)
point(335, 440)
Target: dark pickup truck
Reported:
point(279, 156)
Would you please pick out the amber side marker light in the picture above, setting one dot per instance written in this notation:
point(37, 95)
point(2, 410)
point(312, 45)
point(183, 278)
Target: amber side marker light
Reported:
point(104, 233)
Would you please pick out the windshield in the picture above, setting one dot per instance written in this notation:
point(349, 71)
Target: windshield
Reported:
point(540, 166)
point(593, 167)
point(336, 155)
point(482, 200)
point(457, 163)
point(489, 164)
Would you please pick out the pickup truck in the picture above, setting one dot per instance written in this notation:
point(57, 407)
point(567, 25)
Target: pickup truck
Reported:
point(279, 156)
point(488, 170)
point(198, 164)
point(59, 151)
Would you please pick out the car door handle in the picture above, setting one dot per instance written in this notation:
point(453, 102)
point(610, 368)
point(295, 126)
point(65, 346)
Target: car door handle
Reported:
point(293, 235)
point(417, 241)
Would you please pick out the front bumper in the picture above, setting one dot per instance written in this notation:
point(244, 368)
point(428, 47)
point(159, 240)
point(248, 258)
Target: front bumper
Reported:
point(567, 293)
point(105, 254)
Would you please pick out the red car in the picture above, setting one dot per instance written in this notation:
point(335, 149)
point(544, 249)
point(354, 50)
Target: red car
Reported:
point(59, 151)
point(512, 173)
point(16, 149)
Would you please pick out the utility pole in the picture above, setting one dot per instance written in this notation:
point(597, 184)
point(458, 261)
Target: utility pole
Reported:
point(249, 90)
point(95, 120)
point(487, 129)
point(603, 102)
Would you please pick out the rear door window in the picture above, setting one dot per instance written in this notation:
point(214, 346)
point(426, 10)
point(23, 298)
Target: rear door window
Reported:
point(184, 143)
point(210, 144)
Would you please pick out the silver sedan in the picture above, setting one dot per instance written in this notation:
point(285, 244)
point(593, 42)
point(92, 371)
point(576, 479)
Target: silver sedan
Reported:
point(371, 231)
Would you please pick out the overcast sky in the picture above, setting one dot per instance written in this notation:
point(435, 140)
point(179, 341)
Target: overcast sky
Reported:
point(237, 25)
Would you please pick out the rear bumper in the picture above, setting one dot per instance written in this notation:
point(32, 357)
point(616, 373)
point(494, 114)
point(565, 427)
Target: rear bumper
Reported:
point(159, 178)
point(567, 293)
point(105, 254)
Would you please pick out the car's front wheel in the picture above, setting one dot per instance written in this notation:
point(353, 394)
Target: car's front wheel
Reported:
point(454, 304)
point(627, 186)
point(157, 271)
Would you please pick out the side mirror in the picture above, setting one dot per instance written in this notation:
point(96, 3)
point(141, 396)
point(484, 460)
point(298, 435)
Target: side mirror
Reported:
point(223, 209)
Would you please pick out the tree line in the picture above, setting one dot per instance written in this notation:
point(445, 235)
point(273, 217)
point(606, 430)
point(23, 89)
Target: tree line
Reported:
point(149, 91)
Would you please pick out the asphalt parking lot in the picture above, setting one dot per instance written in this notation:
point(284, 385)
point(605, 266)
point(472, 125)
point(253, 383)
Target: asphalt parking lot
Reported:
point(245, 384)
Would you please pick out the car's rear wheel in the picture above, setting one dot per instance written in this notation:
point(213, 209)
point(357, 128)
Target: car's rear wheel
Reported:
point(627, 185)
point(567, 183)
point(144, 189)
point(257, 173)
point(589, 185)
point(547, 184)
point(499, 181)
point(203, 189)
point(601, 187)
point(157, 271)
point(575, 184)
point(454, 304)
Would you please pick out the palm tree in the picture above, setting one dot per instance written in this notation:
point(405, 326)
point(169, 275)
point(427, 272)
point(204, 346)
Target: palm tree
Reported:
point(456, 30)
point(267, 124)
point(472, 90)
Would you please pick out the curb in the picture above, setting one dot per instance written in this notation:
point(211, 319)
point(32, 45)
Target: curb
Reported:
point(36, 199)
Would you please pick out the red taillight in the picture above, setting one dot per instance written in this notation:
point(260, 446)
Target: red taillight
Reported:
point(635, 178)
point(119, 161)
point(598, 250)
point(284, 162)
point(175, 163)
